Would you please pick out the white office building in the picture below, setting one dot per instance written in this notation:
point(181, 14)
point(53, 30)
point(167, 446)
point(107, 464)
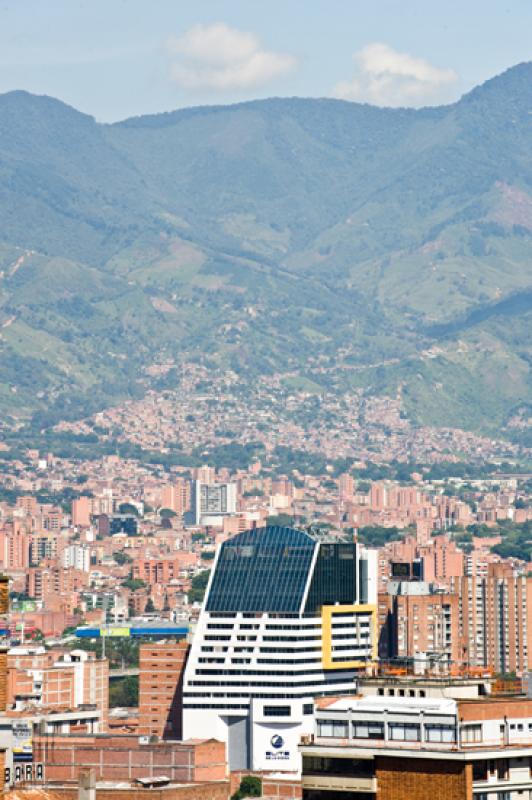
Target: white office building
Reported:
point(287, 617)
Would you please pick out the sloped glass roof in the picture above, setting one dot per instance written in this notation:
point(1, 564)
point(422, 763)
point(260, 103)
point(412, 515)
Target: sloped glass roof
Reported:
point(262, 570)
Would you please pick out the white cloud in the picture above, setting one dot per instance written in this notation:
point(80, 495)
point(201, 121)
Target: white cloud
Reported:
point(386, 77)
point(219, 58)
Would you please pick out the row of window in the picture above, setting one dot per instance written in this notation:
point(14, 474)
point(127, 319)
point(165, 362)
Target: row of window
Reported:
point(268, 683)
point(265, 696)
point(266, 672)
point(397, 731)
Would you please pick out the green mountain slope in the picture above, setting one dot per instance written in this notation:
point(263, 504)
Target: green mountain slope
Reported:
point(384, 248)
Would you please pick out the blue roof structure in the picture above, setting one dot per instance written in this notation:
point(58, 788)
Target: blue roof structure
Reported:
point(159, 630)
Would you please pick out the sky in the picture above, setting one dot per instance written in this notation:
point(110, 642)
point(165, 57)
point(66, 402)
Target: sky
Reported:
point(120, 58)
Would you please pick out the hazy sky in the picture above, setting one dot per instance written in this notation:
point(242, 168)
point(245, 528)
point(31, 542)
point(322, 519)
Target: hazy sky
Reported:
point(118, 58)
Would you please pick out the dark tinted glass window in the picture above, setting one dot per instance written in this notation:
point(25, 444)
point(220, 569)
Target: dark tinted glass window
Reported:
point(263, 570)
point(276, 711)
point(334, 579)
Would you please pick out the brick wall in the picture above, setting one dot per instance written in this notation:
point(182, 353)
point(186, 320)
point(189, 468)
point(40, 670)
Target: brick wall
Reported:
point(278, 789)
point(121, 758)
point(161, 671)
point(206, 791)
point(422, 779)
point(273, 788)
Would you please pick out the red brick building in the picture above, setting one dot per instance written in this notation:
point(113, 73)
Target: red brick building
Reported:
point(123, 757)
point(160, 678)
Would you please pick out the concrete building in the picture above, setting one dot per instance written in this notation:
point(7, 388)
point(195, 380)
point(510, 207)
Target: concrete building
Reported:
point(77, 556)
point(211, 502)
point(410, 747)
point(57, 680)
point(161, 667)
point(287, 617)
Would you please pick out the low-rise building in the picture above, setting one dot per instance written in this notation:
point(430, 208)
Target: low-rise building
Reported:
point(404, 746)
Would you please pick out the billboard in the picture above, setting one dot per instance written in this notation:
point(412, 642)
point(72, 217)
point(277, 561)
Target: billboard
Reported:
point(22, 741)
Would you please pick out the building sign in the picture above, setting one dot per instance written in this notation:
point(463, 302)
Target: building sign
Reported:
point(114, 632)
point(278, 753)
point(21, 773)
point(22, 741)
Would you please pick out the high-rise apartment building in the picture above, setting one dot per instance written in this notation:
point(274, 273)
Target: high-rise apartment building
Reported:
point(14, 545)
point(212, 502)
point(419, 625)
point(81, 512)
point(287, 616)
point(77, 556)
point(43, 546)
point(176, 496)
point(495, 619)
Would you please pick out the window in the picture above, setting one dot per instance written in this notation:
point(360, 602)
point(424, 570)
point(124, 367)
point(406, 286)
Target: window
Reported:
point(334, 728)
point(380, 692)
point(440, 733)
point(350, 767)
point(404, 731)
point(502, 769)
point(308, 708)
point(471, 733)
point(276, 711)
point(480, 770)
point(253, 562)
point(368, 730)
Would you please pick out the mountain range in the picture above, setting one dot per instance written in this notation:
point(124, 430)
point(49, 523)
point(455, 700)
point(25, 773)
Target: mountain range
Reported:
point(348, 246)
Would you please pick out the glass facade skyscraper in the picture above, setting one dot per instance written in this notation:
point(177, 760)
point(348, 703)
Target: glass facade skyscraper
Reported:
point(287, 616)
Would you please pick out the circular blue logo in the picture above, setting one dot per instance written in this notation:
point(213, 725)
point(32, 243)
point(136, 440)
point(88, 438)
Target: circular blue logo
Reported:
point(277, 741)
